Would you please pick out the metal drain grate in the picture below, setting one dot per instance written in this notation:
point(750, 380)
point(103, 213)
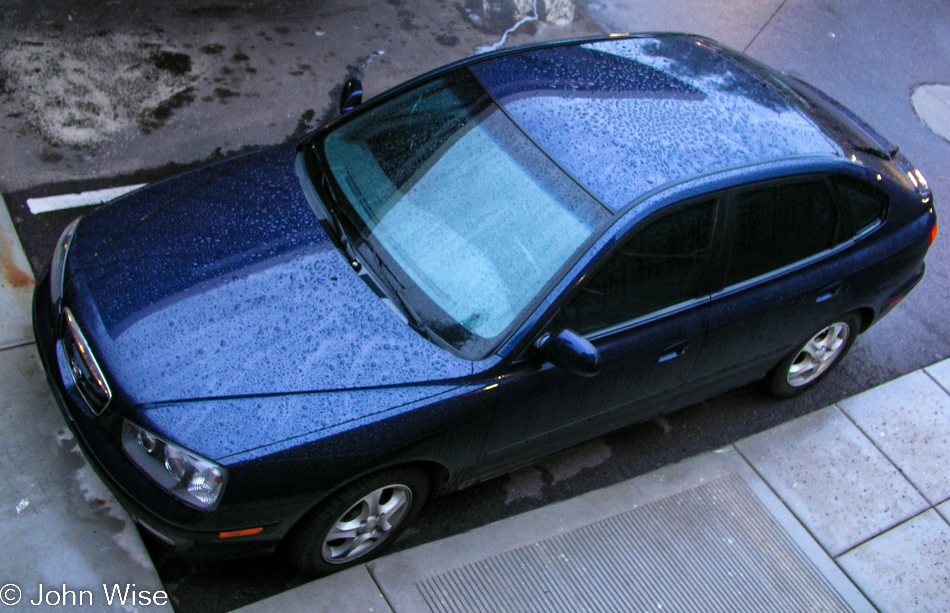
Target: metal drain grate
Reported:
point(712, 548)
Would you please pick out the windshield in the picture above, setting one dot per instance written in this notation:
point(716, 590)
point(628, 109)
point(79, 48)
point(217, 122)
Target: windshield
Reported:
point(476, 218)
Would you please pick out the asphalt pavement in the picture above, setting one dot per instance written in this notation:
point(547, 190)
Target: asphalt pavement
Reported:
point(886, 61)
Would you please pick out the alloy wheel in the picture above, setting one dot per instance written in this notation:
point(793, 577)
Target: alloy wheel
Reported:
point(366, 524)
point(819, 354)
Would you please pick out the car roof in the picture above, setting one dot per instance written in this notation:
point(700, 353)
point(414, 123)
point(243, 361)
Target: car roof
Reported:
point(625, 116)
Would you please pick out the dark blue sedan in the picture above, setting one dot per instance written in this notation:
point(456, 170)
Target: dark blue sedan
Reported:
point(495, 261)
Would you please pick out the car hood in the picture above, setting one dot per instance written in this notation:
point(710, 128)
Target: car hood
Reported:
point(221, 283)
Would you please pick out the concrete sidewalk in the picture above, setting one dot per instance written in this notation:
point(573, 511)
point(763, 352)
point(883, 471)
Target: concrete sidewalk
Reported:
point(845, 509)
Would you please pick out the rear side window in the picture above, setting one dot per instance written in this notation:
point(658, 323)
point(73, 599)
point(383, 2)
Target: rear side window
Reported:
point(864, 203)
point(657, 267)
point(777, 225)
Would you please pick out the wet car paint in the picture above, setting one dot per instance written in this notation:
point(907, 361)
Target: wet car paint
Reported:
point(628, 116)
point(307, 439)
point(245, 300)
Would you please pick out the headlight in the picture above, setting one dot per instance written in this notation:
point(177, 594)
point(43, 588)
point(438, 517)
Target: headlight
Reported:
point(58, 266)
point(193, 479)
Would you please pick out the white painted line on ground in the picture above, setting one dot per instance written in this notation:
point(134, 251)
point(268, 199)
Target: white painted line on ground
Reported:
point(69, 201)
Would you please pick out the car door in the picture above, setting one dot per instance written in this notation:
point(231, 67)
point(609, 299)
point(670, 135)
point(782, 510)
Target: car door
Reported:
point(642, 310)
point(781, 274)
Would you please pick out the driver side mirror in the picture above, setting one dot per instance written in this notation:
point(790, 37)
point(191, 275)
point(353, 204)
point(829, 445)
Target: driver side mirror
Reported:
point(571, 351)
point(352, 95)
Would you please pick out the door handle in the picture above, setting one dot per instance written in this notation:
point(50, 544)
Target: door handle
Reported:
point(828, 293)
point(674, 351)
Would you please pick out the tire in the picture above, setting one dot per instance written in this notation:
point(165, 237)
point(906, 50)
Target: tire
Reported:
point(813, 359)
point(357, 522)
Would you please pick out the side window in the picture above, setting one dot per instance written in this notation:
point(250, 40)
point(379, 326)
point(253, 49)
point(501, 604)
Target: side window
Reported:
point(863, 202)
point(778, 225)
point(657, 267)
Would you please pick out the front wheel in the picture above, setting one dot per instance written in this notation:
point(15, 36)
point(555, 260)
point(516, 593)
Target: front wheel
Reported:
point(804, 366)
point(358, 522)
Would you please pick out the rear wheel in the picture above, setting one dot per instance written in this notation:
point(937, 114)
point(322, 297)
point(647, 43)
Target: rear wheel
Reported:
point(804, 366)
point(358, 522)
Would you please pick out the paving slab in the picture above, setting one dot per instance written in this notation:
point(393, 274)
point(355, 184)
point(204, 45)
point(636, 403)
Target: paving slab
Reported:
point(907, 568)
point(352, 590)
point(832, 478)
point(16, 286)
point(940, 373)
point(710, 514)
point(60, 528)
point(908, 419)
point(944, 510)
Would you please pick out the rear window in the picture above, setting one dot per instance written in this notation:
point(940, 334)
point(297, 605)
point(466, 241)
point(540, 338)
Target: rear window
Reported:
point(864, 203)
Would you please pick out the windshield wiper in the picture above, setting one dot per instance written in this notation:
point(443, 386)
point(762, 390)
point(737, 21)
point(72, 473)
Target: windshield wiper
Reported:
point(394, 294)
point(311, 176)
point(308, 168)
point(343, 244)
point(877, 151)
point(331, 223)
point(391, 282)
